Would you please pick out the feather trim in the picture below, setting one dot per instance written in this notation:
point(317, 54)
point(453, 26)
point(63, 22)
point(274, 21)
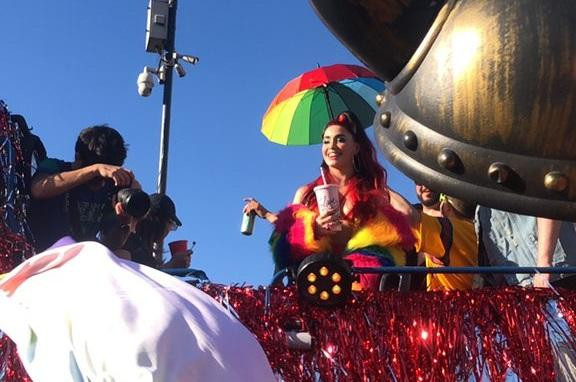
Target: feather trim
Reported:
point(381, 232)
point(296, 224)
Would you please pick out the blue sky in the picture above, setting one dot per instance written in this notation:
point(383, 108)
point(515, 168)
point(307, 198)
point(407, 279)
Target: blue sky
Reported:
point(71, 64)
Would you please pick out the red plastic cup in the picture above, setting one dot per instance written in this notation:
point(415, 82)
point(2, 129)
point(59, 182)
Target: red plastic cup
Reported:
point(178, 246)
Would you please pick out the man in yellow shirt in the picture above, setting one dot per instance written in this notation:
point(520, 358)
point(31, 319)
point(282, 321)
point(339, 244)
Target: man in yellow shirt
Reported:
point(449, 240)
point(445, 235)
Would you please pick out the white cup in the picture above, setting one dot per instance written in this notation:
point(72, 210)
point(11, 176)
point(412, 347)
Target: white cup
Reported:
point(328, 199)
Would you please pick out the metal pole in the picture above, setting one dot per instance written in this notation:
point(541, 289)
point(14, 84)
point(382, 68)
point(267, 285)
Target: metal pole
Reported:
point(166, 112)
point(476, 270)
point(167, 100)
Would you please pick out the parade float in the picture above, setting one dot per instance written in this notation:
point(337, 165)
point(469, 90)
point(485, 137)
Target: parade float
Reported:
point(478, 102)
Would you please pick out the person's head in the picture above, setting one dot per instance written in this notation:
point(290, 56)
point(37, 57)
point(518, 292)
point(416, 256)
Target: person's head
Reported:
point(346, 146)
point(160, 219)
point(462, 209)
point(100, 144)
point(427, 197)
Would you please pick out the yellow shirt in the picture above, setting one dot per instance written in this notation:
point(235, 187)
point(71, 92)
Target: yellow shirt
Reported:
point(460, 236)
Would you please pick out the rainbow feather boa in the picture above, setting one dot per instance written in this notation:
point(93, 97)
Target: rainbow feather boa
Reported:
point(380, 241)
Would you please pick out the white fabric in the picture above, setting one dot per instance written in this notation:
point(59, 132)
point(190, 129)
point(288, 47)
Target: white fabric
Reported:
point(78, 313)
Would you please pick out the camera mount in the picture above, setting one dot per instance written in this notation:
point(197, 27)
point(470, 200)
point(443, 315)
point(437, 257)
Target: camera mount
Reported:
point(160, 37)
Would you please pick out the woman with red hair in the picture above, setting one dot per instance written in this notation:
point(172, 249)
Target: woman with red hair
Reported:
point(367, 229)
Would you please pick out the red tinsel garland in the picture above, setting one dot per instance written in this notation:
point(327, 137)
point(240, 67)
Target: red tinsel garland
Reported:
point(14, 247)
point(418, 336)
point(12, 369)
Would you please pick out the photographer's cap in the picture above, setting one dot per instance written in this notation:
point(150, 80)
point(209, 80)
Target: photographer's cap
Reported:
point(161, 205)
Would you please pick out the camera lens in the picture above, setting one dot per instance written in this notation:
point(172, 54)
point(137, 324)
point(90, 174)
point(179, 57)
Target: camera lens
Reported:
point(135, 202)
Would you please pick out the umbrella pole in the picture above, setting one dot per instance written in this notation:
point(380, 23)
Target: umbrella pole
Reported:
point(325, 88)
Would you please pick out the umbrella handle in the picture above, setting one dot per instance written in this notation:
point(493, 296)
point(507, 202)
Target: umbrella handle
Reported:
point(325, 88)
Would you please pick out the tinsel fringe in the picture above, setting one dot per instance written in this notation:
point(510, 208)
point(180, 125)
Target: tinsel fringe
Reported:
point(483, 334)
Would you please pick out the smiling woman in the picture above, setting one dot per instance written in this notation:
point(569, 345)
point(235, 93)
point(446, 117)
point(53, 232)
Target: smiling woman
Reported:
point(363, 228)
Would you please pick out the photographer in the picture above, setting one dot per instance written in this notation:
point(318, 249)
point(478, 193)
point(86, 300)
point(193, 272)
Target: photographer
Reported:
point(129, 206)
point(153, 228)
point(73, 198)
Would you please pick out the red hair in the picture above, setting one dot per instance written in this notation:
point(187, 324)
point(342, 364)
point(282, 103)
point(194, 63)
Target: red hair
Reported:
point(367, 190)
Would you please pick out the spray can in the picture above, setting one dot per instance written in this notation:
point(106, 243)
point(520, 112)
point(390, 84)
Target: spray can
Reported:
point(248, 223)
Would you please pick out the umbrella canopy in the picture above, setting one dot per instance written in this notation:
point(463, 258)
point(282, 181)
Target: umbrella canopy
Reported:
point(299, 112)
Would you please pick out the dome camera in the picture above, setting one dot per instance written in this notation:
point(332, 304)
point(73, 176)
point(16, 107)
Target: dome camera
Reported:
point(145, 82)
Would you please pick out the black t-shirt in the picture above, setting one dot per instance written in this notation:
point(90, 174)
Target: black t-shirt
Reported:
point(78, 213)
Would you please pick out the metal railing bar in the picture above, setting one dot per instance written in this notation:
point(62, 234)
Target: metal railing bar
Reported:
point(475, 270)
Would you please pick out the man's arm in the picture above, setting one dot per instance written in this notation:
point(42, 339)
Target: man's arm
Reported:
point(46, 186)
point(400, 204)
point(548, 234)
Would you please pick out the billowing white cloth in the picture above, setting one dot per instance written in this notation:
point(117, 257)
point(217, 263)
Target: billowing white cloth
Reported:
point(79, 313)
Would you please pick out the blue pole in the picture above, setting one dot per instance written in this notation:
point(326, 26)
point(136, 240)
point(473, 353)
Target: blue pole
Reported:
point(476, 270)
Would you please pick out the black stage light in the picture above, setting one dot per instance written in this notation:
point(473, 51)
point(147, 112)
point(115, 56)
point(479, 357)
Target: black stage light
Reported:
point(324, 280)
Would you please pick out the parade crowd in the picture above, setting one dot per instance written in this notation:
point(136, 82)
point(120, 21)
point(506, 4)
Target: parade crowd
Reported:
point(375, 226)
point(96, 198)
point(89, 216)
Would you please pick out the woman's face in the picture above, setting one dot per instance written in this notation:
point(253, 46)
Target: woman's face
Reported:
point(170, 226)
point(338, 147)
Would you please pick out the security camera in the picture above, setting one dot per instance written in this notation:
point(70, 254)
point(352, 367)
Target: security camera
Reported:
point(161, 73)
point(190, 59)
point(180, 70)
point(145, 82)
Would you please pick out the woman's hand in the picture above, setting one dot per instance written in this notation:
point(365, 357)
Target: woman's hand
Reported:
point(252, 205)
point(327, 221)
point(180, 260)
point(338, 239)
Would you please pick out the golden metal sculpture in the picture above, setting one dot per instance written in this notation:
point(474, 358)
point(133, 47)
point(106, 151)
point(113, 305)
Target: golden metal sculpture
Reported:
point(481, 94)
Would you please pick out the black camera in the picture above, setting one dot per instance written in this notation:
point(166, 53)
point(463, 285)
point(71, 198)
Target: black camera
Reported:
point(135, 202)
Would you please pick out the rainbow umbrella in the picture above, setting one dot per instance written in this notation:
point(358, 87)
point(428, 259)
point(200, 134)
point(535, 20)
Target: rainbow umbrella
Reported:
point(299, 112)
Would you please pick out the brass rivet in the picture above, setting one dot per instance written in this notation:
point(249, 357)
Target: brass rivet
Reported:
point(410, 140)
point(448, 159)
point(385, 119)
point(556, 181)
point(380, 98)
point(499, 172)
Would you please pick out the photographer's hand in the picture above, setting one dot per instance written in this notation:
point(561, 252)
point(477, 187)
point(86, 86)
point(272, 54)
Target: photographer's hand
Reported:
point(49, 185)
point(136, 184)
point(122, 177)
